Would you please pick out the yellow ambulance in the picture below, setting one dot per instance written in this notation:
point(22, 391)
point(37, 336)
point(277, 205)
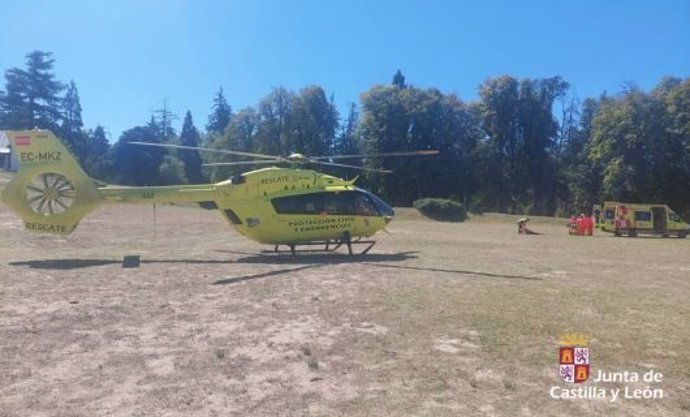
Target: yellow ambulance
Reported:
point(634, 218)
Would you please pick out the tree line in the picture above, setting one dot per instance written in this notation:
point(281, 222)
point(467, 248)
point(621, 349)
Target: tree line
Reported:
point(524, 146)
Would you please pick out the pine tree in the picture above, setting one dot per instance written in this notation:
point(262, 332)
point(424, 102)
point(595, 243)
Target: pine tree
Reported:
point(170, 168)
point(346, 142)
point(399, 80)
point(71, 106)
point(221, 112)
point(161, 122)
point(71, 129)
point(32, 97)
point(191, 158)
point(4, 117)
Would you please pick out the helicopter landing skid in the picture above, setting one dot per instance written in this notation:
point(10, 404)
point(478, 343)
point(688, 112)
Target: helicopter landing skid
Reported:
point(328, 248)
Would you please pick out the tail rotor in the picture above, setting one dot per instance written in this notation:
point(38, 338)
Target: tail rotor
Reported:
point(50, 193)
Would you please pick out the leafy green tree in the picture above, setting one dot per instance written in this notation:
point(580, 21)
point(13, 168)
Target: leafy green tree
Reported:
point(221, 113)
point(240, 136)
point(582, 175)
point(499, 98)
point(138, 165)
point(191, 159)
point(521, 144)
point(171, 170)
point(625, 141)
point(273, 136)
point(312, 123)
point(539, 130)
point(395, 119)
point(97, 162)
point(677, 123)
point(384, 127)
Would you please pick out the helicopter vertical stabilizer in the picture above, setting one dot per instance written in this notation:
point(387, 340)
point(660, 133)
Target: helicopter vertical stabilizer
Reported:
point(50, 191)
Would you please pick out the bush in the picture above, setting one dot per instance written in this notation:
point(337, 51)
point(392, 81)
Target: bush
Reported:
point(441, 209)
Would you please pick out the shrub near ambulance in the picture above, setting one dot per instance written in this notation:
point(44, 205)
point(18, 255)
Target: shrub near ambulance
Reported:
point(635, 218)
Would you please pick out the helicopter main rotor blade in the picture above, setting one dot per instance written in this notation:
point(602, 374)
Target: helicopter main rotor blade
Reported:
point(258, 162)
point(385, 154)
point(384, 171)
point(199, 148)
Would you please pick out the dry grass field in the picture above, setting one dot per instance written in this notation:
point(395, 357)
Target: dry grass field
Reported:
point(438, 319)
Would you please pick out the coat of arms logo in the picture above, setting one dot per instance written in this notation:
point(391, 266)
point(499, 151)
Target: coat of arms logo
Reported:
point(573, 358)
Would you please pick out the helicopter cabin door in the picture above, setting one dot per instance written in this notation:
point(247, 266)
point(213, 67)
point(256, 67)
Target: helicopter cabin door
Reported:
point(659, 219)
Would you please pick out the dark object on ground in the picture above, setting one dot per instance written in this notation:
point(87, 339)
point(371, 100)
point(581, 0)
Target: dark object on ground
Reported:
point(131, 261)
point(441, 209)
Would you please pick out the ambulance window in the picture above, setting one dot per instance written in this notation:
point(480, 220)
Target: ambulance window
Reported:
point(609, 214)
point(643, 216)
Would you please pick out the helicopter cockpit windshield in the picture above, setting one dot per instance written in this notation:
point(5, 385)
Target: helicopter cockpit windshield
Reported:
point(383, 208)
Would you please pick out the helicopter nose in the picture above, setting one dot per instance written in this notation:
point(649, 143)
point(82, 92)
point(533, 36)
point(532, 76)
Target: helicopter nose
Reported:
point(389, 215)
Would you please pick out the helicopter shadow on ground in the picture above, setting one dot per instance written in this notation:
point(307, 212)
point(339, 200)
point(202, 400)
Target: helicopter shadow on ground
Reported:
point(382, 260)
point(67, 264)
point(317, 257)
point(304, 260)
point(459, 272)
point(233, 280)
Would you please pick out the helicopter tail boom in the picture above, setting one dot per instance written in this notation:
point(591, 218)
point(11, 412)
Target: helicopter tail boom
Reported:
point(52, 193)
point(175, 194)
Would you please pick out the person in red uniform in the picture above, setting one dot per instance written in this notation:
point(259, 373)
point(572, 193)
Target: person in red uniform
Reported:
point(588, 225)
point(580, 224)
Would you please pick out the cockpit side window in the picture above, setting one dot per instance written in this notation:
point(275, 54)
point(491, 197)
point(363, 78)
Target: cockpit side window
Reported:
point(342, 203)
point(299, 204)
point(364, 206)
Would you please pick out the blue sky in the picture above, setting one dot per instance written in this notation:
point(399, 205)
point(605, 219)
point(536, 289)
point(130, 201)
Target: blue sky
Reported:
point(127, 56)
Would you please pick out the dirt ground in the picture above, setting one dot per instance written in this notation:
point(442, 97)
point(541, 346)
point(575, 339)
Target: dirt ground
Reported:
point(438, 319)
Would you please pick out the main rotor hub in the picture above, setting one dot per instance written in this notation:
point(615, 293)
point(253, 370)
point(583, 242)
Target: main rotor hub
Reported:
point(297, 158)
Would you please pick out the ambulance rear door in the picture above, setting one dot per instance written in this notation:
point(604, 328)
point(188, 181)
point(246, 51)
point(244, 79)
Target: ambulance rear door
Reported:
point(659, 219)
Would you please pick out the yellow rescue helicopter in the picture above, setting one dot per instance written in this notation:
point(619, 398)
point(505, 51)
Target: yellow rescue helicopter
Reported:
point(277, 206)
